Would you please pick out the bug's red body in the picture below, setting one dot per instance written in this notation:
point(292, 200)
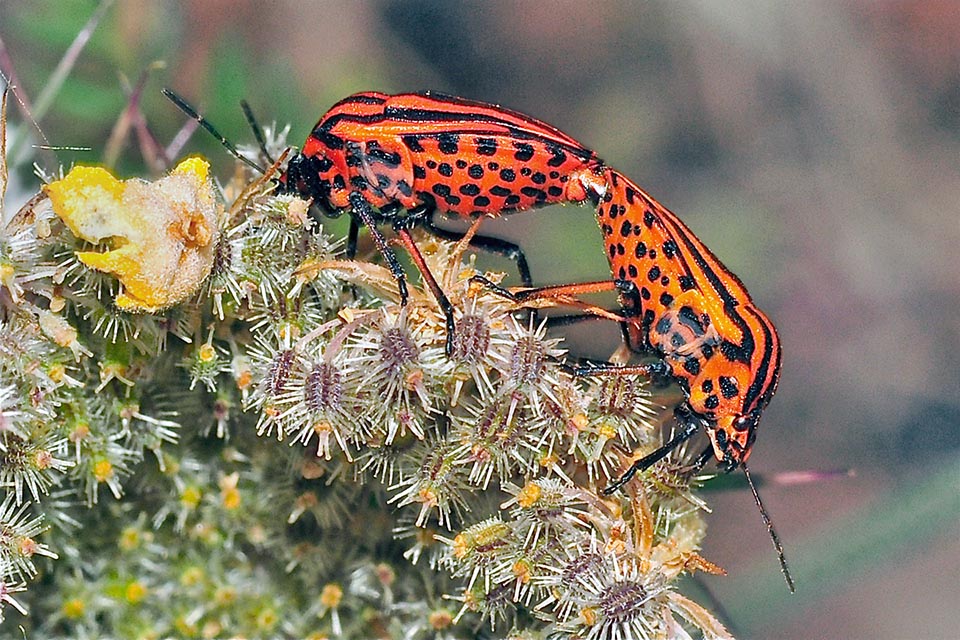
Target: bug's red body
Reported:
point(412, 153)
point(428, 150)
point(693, 312)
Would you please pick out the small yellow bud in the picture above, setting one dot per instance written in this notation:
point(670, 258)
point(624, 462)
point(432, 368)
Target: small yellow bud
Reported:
point(102, 470)
point(529, 495)
point(331, 595)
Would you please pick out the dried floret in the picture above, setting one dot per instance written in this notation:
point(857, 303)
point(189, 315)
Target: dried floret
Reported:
point(160, 236)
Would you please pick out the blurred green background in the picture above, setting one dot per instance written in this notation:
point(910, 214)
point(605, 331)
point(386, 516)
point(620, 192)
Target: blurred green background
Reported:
point(813, 145)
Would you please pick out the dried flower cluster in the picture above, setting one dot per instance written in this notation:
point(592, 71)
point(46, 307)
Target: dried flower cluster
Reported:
point(160, 350)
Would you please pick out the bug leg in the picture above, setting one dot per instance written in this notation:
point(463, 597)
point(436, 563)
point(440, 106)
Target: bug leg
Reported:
point(701, 460)
point(649, 460)
point(655, 369)
point(353, 235)
point(431, 282)
point(490, 244)
point(364, 211)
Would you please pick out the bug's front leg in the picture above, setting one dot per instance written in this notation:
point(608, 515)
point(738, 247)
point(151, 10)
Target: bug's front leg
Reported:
point(362, 210)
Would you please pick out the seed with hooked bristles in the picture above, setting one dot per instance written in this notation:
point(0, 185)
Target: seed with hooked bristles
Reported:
point(323, 388)
point(398, 349)
point(471, 339)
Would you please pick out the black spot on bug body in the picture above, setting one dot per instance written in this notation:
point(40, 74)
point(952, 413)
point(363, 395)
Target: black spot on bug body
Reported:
point(532, 192)
point(448, 143)
point(512, 199)
point(663, 325)
point(469, 189)
point(445, 169)
point(508, 175)
point(733, 352)
point(555, 191)
point(486, 146)
point(452, 200)
point(621, 249)
point(502, 192)
point(691, 365)
point(538, 178)
point(606, 229)
point(324, 164)
point(493, 166)
point(338, 182)
point(632, 270)
point(475, 171)
point(649, 218)
point(677, 341)
point(554, 175)
point(383, 181)
point(640, 250)
point(359, 183)
point(419, 172)
point(690, 319)
point(612, 250)
point(653, 274)
point(524, 151)
point(706, 386)
point(558, 156)
point(404, 188)
point(461, 164)
point(646, 295)
point(670, 248)
point(631, 194)
point(481, 201)
point(391, 159)
point(412, 143)
point(653, 254)
point(441, 190)
point(526, 171)
point(712, 402)
point(622, 273)
point(664, 281)
point(431, 164)
point(686, 283)
point(728, 386)
point(666, 299)
point(626, 228)
point(707, 351)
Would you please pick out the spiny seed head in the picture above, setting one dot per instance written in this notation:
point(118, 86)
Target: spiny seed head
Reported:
point(398, 349)
point(471, 339)
point(526, 360)
point(323, 388)
point(621, 602)
point(279, 372)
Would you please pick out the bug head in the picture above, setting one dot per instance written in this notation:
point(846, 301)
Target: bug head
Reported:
point(733, 437)
point(302, 177)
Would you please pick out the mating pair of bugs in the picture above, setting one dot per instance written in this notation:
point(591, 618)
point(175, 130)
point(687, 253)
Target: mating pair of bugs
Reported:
point(400, 159)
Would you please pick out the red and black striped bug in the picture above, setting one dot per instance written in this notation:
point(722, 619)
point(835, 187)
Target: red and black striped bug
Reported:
point(400, 159)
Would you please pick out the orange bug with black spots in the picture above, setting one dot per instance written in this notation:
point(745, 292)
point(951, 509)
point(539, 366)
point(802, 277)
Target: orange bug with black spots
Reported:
point(400, 159)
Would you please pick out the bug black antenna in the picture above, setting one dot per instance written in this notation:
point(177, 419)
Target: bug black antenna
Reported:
point(203, 122)
point(257, 130)
point(773, 532)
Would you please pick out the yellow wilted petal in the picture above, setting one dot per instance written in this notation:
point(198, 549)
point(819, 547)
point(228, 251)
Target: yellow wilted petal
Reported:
point(160, 236)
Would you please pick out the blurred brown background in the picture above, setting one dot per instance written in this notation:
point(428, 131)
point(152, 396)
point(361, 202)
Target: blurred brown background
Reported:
point(813, 145)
